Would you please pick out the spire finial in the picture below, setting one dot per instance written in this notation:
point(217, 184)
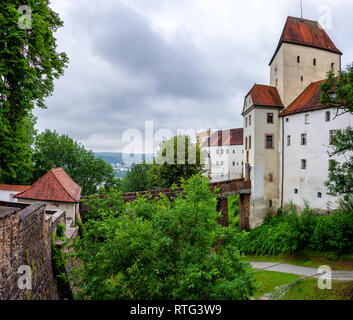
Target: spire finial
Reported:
point(301, 11)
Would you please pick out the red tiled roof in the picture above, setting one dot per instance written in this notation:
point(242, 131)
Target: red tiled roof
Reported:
point(308, 100)
point(266, 96)
point(225, 138)
point(55, 185)
point(8, 187)
point(306, 32)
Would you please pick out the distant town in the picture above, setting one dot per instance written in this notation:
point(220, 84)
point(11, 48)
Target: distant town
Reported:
point(120, 167)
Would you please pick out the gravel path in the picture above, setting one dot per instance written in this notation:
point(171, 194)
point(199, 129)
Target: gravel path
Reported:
point(304, 271)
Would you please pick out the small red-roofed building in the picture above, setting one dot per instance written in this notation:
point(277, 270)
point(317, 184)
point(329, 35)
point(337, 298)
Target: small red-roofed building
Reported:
point(57, 190)
point(224, 155)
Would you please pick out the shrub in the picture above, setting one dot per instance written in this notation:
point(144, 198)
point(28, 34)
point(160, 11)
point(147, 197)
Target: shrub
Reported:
point(162, 250)
point(233, 210)
point(289, 232)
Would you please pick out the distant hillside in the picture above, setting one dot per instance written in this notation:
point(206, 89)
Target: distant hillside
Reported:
point(117, 157)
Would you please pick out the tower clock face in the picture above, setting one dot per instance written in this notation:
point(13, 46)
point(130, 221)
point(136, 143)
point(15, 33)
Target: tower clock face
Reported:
point(276, 69)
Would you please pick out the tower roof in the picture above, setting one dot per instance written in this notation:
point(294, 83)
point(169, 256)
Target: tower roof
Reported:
point(55, 185)
point(307, 33)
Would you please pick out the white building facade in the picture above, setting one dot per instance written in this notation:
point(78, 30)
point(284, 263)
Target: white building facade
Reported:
point(224, 155)
point(287, 132)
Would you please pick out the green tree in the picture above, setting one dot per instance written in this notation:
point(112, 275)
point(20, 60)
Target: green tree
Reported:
point(52, 150)
point(340, 179)
point(177, 158)
point(29, 63)
point(337, 91)
point(157, 249)
point(136, 179)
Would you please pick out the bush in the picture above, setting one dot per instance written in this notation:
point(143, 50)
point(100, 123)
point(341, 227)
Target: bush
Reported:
point(162, 250)
point(289, 232)
point(233, 211)
point(333, 233)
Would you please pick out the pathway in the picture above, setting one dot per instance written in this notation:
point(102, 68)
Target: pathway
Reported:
point(304, 271)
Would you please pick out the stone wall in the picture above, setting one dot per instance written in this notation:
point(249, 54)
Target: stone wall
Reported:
point(244, 211)
point(26, 240)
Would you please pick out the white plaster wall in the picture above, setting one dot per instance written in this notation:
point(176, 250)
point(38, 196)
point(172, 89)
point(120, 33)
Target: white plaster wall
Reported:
point(311, 180)
point(227, 171)
point(7, 195)
point(263, 162)
point(70, 208)
point(290, 71)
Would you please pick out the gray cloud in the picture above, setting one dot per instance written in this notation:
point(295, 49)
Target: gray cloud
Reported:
point(182, 64)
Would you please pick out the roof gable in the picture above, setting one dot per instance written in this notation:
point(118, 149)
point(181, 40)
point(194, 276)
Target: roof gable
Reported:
point(263, 96)
point(55, 185)
point(306, 32)
point(228, 137)
point(308, 100)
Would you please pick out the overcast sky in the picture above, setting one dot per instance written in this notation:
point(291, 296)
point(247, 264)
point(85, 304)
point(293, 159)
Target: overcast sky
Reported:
point(179, 63)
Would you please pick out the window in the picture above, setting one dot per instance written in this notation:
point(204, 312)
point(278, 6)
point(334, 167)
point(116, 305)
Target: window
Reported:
point(269, 141)
point(222, 151)
point(270, 118)
point(298, 59)
point(288, 140)
point(327, 116)
point(303, 164)
point(246, 143)
point(301, 78)
point(270, 203)
point(217, 163)
point(227, 151)
point(233, 151)
point(249, 142)
point(233, 163)
point(296, 191)
point(246, 122)
point(250, 120)
point(270, 177)
point(303, 139)
point(307, 119)
point(332, 65)
point(217, 151)
point(242, 163)
point(319, 195)
point(287, 119)
point(276, 82)
point(332, 136)
point(222, 163)
point(314, 62)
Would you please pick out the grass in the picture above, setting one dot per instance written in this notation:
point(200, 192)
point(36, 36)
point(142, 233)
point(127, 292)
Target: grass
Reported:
point(269, 280)
point(307, 289)
point(307, 258)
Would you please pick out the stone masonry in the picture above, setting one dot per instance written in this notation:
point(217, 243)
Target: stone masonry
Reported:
point(26, 240)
